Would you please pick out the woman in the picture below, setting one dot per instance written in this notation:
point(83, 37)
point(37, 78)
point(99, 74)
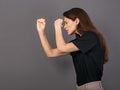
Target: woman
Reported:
point(89, 50)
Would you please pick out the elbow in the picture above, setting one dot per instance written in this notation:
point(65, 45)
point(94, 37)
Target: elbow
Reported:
point(50, 55)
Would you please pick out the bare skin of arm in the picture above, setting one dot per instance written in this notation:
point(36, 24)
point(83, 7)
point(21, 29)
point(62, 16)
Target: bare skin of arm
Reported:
point(62, 47)
point(60, 42)
point(50, 52)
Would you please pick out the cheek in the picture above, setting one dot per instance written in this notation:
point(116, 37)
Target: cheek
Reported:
point(73, 27)
point(70, 27)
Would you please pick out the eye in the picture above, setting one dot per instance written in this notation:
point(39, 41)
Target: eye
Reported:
point(64, 23)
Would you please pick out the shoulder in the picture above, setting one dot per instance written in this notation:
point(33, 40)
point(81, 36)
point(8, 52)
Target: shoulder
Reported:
point(87, 36)
point(90, 34)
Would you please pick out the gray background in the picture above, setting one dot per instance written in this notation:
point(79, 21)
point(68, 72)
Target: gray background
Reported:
point(24, 65)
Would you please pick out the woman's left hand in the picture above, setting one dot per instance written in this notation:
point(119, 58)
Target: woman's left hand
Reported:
point(58, 24)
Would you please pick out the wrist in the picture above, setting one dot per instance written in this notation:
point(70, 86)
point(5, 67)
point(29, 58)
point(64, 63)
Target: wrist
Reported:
point(41, 32)
point(58, 28)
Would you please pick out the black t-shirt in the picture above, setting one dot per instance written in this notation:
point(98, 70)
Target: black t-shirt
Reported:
point(88, 61)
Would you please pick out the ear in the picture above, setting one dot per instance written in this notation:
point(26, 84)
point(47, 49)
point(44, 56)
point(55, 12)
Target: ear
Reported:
point(77, 21)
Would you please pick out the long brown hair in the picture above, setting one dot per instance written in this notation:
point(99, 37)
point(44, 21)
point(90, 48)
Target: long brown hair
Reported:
point(86, 25)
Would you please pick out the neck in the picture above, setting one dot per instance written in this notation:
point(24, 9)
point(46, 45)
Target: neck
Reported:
point(78, 33)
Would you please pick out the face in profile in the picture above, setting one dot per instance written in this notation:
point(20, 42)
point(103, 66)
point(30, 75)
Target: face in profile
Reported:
point(70, 26)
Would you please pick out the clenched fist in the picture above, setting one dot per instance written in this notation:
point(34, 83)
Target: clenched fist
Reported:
point(58, 24)
point(41, 24)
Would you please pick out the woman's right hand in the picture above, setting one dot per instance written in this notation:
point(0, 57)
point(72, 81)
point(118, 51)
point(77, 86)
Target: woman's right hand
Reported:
point(41, 24)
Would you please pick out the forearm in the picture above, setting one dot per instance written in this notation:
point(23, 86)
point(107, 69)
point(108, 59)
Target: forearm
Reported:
point(60, 42)
point(45, 44)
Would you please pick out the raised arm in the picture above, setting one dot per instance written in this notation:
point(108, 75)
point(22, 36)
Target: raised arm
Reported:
point(50, 52)
point(60, 42)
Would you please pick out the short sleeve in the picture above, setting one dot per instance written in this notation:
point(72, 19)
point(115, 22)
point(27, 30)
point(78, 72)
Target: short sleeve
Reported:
point(86, 42)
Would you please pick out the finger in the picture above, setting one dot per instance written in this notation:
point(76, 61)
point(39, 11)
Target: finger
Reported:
point(41, 20)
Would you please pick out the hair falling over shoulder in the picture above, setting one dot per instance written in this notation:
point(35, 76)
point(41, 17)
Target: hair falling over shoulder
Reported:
point(87, 25)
